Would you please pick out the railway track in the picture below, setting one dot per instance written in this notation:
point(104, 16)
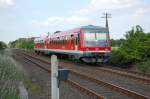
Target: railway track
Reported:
point(91, 94)
point(83, 88)
point(113, 87)
point(126, 73)
point(133, 75)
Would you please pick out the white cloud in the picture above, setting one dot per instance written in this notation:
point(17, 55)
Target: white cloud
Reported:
point(6, 3)
point(77, 19)
point(96, 5)
point(55, 21)
point(142, 11)
point(112, 4)
point(82, 11)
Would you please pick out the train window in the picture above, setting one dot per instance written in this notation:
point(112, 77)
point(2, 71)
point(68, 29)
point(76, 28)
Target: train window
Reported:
point(52, 41)
point(101, 36)
point(77, 39)
point(55, 41)
point(65, 39)
point(62, 40)
point(89, 36)
point(49, 40)
point(72, 36)
point(58, 38)
point(72, 39)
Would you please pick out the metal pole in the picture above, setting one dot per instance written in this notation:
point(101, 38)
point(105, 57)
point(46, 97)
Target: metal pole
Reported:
point(106, 16)
point(54, 76)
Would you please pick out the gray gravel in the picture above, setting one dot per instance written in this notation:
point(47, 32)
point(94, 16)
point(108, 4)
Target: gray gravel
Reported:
point(100, 89)
point(42, 79)
point(125, 82)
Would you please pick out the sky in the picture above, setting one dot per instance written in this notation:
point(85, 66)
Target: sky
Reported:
point(34, 18)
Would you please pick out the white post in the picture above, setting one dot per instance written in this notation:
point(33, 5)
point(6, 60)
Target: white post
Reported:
point(54, 75)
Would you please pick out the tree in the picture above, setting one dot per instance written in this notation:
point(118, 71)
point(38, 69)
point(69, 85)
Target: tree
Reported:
point(24, 43)
point(117, 43)
point(3, 45)
point(135, 48)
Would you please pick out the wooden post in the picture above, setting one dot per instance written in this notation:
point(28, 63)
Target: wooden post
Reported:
point(54, 76)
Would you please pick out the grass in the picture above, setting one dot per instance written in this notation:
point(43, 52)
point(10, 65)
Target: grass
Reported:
point(10, 76)
point(144, 67)
point(35, 88)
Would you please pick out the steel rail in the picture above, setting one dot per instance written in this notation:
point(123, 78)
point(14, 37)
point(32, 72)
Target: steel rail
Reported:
point(74, 84)
point(126, 74)
point(112, 86)
point(122, 73)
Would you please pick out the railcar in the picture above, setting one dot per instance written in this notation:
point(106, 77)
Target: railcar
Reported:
point(86, 43)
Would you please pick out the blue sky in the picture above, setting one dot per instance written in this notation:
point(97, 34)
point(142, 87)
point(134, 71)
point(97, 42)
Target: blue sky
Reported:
point(27, 18)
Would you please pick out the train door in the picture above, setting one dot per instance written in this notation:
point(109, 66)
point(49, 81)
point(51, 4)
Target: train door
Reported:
point(76, 41)
point(72, 42)
point(45, 43)
point(68, 42)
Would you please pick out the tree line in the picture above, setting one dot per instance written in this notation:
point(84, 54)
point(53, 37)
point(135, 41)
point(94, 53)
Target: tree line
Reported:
point(3, 45)
point(22, 43)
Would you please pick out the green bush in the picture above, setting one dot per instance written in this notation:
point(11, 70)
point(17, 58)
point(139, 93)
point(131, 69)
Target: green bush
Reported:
point(22, 43)
point(144, 66)
point(117, 59)
point(117, 42)
point(135, 48)
point(2, 45)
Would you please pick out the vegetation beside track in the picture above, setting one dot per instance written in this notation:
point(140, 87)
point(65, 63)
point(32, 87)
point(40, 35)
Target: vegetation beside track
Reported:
point(22, 43)
point(10, 76)
point(3, 45)
point(134, 49)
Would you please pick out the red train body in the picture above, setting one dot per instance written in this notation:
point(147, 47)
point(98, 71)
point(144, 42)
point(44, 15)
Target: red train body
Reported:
point(87, 43)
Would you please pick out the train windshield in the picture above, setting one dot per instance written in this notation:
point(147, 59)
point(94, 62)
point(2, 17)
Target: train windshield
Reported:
point(95, 38)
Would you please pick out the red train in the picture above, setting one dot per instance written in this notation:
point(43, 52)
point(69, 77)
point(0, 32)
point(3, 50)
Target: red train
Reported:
point(87, 43)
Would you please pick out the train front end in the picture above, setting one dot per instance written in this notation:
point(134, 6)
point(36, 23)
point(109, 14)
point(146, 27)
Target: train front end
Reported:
point(95, 44)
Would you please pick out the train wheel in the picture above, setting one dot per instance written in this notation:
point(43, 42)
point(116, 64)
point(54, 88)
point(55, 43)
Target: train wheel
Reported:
point(89, 60)
point(71, 57)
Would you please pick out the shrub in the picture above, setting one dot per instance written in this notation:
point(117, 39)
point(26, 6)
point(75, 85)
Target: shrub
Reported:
point(2, 45)
point(23, 43)
point(144, 66)
point(118, 59)
point(135, 48)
